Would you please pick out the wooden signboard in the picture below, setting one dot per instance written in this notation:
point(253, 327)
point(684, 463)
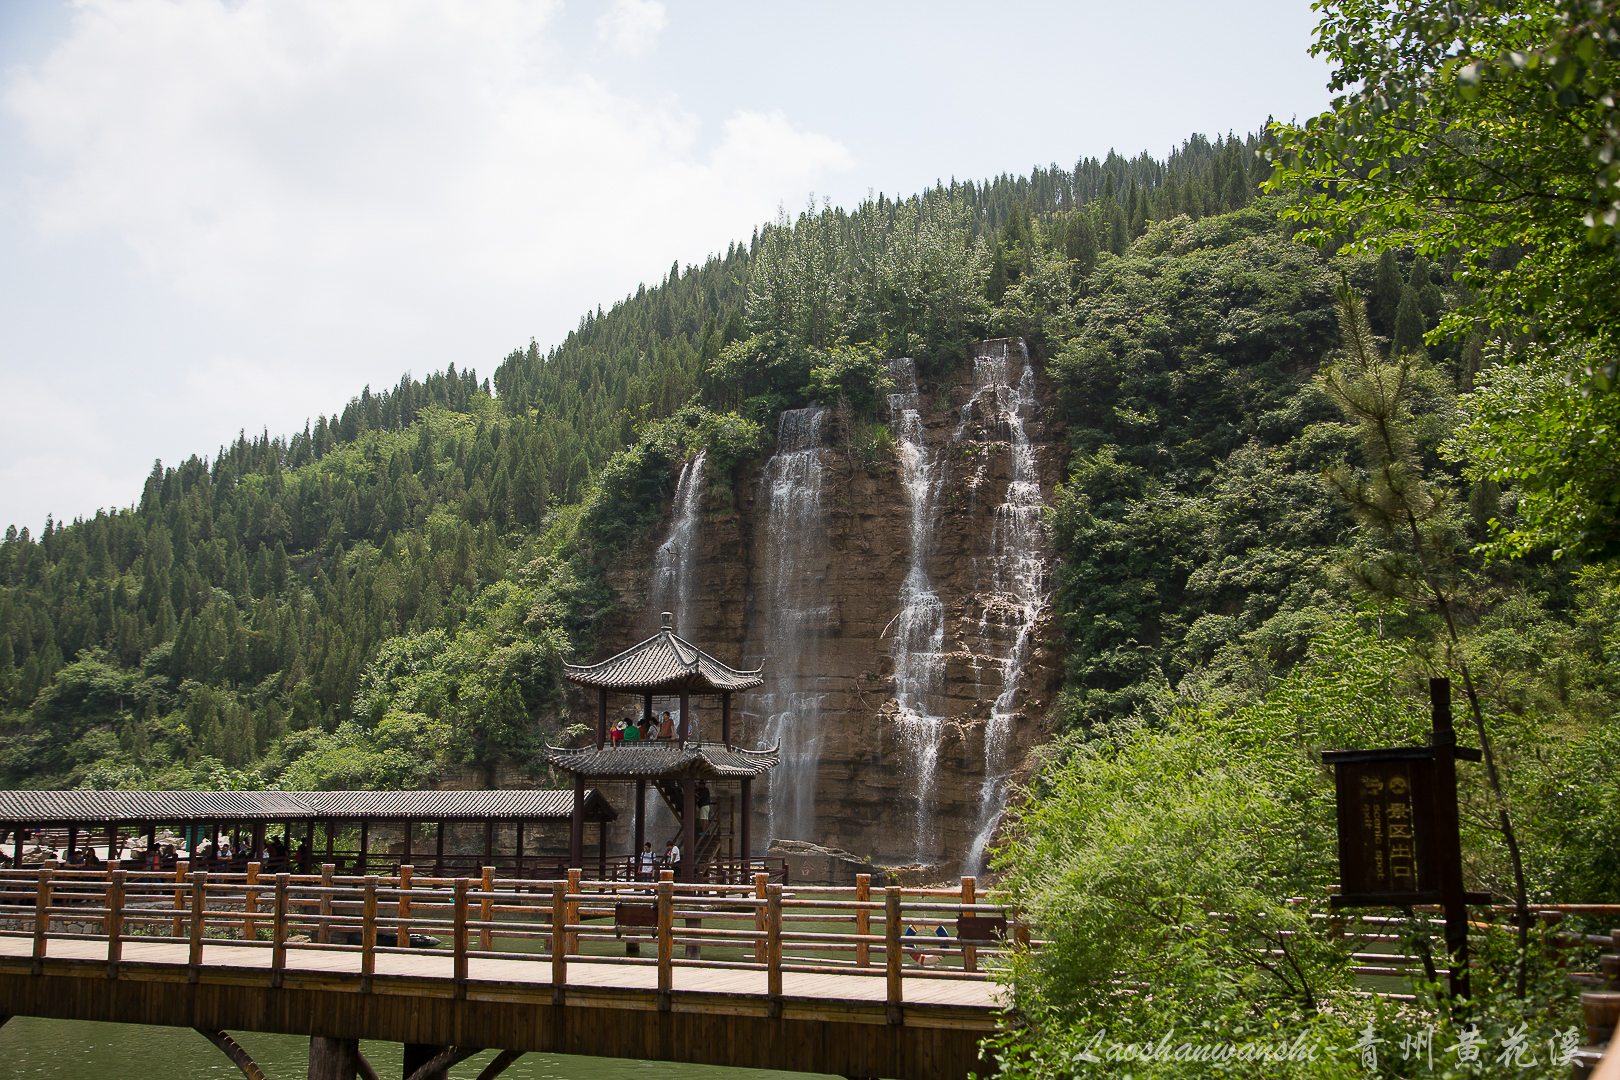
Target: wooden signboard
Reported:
point(1387, 850)
point(1398, 840)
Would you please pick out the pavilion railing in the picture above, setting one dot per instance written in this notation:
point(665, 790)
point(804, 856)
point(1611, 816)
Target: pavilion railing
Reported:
point(763, 927)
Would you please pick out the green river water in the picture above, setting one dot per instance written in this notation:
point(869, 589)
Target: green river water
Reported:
point(81, 1050)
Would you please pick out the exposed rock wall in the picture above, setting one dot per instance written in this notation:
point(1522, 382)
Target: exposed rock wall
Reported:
point(849, 586)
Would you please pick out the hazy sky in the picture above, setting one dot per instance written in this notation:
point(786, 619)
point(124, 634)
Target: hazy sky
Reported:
point(228, 214)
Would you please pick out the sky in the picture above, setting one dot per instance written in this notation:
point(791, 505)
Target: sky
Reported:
point(227, 215)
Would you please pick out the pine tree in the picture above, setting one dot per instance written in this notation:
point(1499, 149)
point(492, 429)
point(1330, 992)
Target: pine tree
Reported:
point(1386, 293)
point(1080, 244)
point(1409, 327)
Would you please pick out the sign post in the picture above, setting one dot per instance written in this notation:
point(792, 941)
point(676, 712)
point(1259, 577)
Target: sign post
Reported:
point(1398, 829)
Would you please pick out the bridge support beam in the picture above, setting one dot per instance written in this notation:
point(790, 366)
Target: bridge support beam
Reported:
point(333, 1059)
point(418, 1055)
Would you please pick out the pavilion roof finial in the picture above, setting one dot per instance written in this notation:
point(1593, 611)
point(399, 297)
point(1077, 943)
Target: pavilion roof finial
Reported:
point(666, 621)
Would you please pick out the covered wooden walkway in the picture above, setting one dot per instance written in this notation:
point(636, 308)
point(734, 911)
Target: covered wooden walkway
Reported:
point(828, 983)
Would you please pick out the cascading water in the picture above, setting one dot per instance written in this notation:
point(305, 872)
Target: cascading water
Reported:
point(795, 619)
point(676, 568)
point(1017, 578)
point(917, 649)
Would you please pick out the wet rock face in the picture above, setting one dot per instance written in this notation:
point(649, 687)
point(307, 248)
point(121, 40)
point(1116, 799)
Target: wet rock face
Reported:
point(912, 774)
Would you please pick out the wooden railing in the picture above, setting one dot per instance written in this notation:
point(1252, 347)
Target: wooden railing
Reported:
point(850, 931)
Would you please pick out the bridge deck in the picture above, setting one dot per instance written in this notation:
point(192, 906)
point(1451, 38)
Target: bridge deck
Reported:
point(581, 972)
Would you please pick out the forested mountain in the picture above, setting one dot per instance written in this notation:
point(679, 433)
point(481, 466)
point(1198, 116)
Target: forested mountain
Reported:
point(391, 591)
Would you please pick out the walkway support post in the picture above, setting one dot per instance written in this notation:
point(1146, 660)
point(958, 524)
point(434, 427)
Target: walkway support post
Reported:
point(278, 937)
point(402, 939)
point(486, 909)
point(199, 906)
point(571, 938)
point(459, 940)
point(368, 934)
point(761, 892)
point(115, 921)
point(666, 943)
point(42, 915)
point(180, 869)
point(250, 904)
point(891, 951)
point(970, 953)
point(559, 939)
point(323, 933)
point(773, 946)
point(863, 920)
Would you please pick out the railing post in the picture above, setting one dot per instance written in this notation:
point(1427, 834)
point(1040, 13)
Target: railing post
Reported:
point(250, 904)
point(863, 920)
point(115, 921)
point(573, 911)
point(278, 936)
point(773, 945)
point(761, 882)
point(666, 943)
point(402, 939)
point(179, 897)
point(323, 933)
point(460, 937)
point(42, 915)
point(559, 953)
point(199, 909)
point(970, 954)
point(486, 909)
point(368, 935)
point(891, 950)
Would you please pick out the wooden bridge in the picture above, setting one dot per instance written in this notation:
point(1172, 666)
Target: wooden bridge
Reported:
point(829, 983)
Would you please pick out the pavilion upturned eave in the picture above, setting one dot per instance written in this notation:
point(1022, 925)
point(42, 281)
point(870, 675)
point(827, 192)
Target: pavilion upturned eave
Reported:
point(696, 761)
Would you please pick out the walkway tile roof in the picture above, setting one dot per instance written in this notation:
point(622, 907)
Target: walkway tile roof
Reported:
point(660, 760)
point(48, 807)
point(662, 663)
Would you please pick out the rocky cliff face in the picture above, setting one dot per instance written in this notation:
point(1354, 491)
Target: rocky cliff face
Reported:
point(898, 598)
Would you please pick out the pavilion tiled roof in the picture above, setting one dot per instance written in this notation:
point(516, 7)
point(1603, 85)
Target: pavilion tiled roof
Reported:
point(48, 807)
point(662, 760)
point(664, 662)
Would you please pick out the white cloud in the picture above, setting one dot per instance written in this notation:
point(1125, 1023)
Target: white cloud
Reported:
point(350, 191)
point(632, 27)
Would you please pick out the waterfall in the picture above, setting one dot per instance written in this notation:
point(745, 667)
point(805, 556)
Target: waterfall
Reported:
point(1017, 577)
point(917, 650)
point(796, 617)
point(675, 568)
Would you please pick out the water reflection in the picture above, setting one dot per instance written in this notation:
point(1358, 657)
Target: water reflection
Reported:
point(81, 1049)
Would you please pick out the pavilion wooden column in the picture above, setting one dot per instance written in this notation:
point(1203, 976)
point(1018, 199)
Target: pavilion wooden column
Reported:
point(73, 839)
point(405, 854)
point(365, 846)
point(685, 728)
point(519, 872)
point(646, 706)
point(438, 853)
point(601, 719)
point(489, 843)
point(747, 822)
point(576, 823)
point(688, 827)
point(641, 818)
point(16, 857)
point(112, 845)
point(725, 718)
